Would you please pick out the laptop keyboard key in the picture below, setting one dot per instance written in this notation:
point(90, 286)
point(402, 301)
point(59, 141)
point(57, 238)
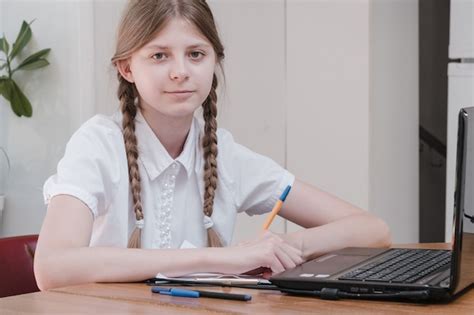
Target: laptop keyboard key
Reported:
point(401, 266)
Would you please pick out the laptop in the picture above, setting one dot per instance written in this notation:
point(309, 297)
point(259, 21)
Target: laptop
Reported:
point(402, 273)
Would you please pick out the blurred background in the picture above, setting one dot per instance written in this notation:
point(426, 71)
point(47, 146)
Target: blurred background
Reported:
point(356, 97)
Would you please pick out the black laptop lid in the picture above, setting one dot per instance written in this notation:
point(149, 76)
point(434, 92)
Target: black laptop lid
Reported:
point(462, 262)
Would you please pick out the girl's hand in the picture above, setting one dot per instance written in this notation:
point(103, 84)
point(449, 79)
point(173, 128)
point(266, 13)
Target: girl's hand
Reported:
point(269, 254)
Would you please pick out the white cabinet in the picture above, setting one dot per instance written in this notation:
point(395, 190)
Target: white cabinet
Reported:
point(460, 89)
point(461, 32)
point(460, 94)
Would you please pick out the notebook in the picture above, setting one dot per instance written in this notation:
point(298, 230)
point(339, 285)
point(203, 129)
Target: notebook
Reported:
point(216, 278)
point(221, 279)
point(412, 274)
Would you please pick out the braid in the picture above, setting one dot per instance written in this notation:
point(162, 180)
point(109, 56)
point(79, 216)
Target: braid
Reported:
point(126, 93)
point(209, 144)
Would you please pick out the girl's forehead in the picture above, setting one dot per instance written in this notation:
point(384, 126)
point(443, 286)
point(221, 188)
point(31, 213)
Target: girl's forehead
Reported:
point(178, 33)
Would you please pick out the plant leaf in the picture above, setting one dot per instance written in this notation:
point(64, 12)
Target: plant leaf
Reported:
point(34, 65)
point(4, 89)
point(4, 45)
point(35, 57)
point(20, 104)
point(22, 39)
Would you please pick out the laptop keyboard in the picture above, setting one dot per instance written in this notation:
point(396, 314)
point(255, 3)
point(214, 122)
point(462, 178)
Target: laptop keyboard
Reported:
point(401, 266)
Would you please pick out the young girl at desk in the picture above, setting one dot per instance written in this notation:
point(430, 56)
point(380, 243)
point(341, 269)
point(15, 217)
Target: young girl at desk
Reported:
point(155, 179)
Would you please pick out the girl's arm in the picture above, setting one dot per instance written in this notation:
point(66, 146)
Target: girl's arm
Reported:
point(330, 223)
point(63, 256)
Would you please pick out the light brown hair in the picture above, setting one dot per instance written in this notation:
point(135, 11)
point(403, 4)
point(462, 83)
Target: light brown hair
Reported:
point(141, 22)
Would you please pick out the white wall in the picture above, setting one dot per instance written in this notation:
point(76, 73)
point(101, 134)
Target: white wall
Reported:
point(252, 104)
point(57, 94)
point(328, 96)
point(307, 84)
point(394, 155)
point(106, 18)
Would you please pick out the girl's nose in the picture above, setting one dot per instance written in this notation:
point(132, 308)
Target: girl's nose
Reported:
point(179, 72)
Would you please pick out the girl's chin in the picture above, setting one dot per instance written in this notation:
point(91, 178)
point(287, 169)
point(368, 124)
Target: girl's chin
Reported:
point(177, 110)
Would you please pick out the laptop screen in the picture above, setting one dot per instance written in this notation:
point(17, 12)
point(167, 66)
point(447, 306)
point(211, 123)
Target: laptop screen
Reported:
point(462, 262)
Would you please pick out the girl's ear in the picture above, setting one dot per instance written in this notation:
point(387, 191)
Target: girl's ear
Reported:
point(123, 67)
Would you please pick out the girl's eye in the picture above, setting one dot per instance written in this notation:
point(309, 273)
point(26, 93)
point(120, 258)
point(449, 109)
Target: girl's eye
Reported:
point(158, 56)
point(196, 54)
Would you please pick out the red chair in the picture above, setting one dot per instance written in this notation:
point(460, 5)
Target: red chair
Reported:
point(16, 265)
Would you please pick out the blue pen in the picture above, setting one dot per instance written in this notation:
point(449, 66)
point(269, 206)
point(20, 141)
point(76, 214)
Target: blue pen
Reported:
point(199, 293)
point(175, 292)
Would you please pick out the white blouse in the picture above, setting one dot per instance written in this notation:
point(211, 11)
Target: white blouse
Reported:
point(94, 169)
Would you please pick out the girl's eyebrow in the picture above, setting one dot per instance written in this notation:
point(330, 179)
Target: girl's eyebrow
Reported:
point(199, 45)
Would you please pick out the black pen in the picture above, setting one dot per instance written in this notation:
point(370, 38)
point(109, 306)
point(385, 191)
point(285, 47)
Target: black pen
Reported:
point(199, 293)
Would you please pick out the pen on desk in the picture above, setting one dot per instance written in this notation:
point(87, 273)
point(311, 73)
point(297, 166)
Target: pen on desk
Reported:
point(276, 208)
point(199, 293)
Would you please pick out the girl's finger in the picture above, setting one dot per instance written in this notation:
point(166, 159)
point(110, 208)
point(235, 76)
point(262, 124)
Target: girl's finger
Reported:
point(295, 254)
point(285, 258)
point(276, 265)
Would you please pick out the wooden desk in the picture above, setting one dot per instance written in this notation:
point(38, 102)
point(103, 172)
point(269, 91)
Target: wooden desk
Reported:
point(132, 298)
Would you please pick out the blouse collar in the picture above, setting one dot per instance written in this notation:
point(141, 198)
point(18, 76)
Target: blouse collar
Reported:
point(154, 156)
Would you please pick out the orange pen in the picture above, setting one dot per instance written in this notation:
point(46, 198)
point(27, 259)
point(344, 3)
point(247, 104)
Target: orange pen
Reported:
point(276, 208)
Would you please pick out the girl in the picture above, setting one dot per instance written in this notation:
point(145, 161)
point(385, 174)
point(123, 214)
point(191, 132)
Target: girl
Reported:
point(154, 179)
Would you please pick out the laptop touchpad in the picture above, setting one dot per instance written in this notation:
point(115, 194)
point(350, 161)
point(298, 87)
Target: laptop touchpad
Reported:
point(330, 264)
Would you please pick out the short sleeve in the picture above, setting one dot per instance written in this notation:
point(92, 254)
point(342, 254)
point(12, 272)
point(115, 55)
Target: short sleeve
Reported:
point(89, 169)
point(257, 180)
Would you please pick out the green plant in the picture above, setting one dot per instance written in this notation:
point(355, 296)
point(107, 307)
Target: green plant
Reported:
point(9, 89)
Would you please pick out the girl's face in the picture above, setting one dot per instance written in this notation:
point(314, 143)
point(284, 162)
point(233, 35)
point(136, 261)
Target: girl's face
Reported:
point(173, 72)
